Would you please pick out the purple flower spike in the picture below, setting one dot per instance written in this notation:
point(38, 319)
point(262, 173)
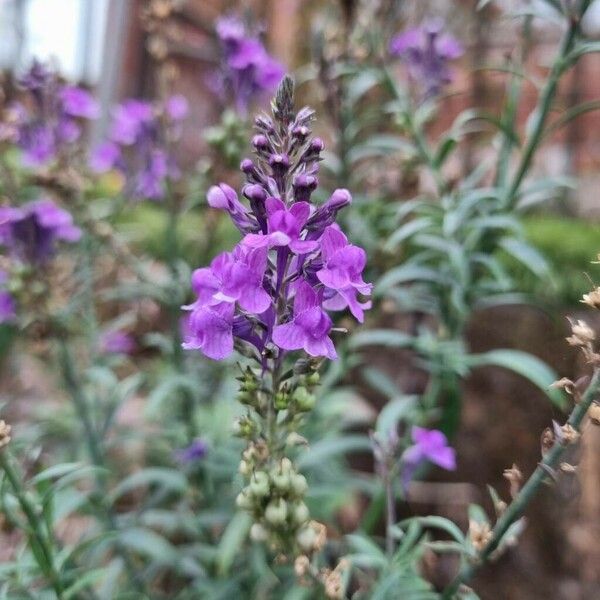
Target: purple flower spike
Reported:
point(248, 70)
point(139, 146)
point(429, 445)
point(49, 125)
point(30, 231)
point(292, 264)
point(284, 227)
point(7, 302)
point(309, 328)
point(211, 330)
point(427, 52)
point(197, 450)
point(117, 342)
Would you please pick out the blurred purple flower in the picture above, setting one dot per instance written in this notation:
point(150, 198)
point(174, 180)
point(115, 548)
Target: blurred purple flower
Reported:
point(427, 51)
point(30, 231)
point(192, 453)
point(117, 342)
point(7, 302)
point(138, 146)
point(48, 121)
point(430, 445)
point(248, 70)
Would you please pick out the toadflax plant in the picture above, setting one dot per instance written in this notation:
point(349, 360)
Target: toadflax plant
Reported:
point(270, 297)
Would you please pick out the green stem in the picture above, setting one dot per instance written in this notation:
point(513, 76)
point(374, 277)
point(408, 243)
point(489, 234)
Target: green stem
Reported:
point(541, 112)
point(37, 534)
point(422, 145)
point(96, 453)
point(517, 507)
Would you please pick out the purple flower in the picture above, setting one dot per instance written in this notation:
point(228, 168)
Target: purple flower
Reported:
point(309, 328)
point(223, 197)
point(48, 123)
point(31, 230)
point(284, 227)
point(211, 330)
point(231, 277)
point(117, 342)
point(192, 453)
point(272, 292)
point(430, 445)
point(343, 264)
point(426, 52)
point(78, 102)
point(138, 146)
point(248, 70)
point(7, 303)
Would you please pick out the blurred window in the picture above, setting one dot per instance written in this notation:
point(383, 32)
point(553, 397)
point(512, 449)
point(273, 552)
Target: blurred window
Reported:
point(69, 32)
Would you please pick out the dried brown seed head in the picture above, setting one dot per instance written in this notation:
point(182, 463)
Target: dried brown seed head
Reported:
point(515, 478)
point(566, 467)
point(480, 534)
point(547, 440)
point(594, 413)
point(592, 298)
point(301, 565)
point(569, 435)
point(5, 430)
point(564, 384)
point(583, 334)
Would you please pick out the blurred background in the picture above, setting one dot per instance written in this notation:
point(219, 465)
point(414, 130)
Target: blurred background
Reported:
point(103, 45)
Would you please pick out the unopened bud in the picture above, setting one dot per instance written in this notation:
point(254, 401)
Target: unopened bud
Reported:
point(259, 484)
point(300, 513)
point(301, 565)
point(276, 512)
point(258, 533)
point(298, 484)
point(243, 500)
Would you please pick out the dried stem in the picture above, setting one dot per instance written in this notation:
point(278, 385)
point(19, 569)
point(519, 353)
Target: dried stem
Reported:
point(517, 507)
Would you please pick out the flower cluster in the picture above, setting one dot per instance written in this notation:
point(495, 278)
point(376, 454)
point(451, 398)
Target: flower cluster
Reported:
point(248, 70)
point(138, 146)
point(48, 121)
point(426, 51)
point(293, 264)
point(30, 231)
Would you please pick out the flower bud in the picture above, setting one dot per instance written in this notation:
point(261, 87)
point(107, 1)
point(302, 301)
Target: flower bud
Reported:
point(280, 163)
point(247, 166)
point(244, 468)
point(255, 192)
point(260, 142)
point(300, 513)
point(304, 400)
point(306, 538)
point(243, 500)
point(281, 481)
point(298, 484)
point(281, 400)
point(276, 512)
point(259, 484)
point(258, 533)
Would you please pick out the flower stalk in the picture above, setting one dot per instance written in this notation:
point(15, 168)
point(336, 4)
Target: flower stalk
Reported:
point(517, 507)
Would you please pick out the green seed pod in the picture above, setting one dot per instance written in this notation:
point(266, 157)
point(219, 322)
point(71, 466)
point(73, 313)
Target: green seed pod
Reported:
point(243, 500)
point(299, 484)
point(259, 484)
point(306, 538)
point(313, 379)
point(285, 465)
point(244, 468)
point(303, 399)
point(281, 481)
point(276, 512)
point(281, 401)
point(300, 513)
point(258, 533)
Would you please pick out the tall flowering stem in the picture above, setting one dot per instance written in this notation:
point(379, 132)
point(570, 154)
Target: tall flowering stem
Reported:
point(269, 298)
